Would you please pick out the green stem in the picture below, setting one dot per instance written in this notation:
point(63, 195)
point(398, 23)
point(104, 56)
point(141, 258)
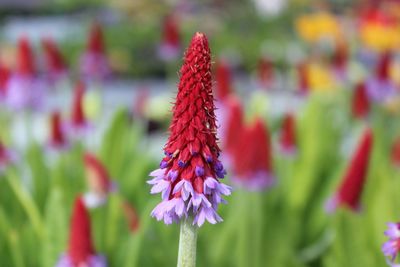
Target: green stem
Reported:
point(187, 244)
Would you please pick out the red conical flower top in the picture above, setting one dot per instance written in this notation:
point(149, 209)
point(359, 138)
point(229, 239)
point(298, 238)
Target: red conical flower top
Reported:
point(223, 79)
point(171, 34)
point(57, 137)
point(234, 125)
point(99, 178)
point(80, 241)
point(265, 71)
point(360, 102)
point(96, 40)
point(253, 159)
point(383, 68)
point(188, 175)
point(350, 190)
point(25, 61)
point(395, 153)
point(193, 125)
point(54, 59)
point(287, 138)
point(77, 113)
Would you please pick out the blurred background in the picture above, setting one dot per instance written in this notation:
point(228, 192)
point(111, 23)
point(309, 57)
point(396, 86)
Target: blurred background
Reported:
point(307, 97)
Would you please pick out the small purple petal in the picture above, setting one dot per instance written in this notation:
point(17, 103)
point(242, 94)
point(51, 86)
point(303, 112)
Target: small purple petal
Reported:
point(199, 171)
point(173, 175)
point(163, 164)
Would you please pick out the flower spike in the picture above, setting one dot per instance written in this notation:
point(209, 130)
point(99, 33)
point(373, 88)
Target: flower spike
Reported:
point(188, 177)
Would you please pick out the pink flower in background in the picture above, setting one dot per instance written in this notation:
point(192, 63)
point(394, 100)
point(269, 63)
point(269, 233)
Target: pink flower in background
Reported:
point(98, 179)
point(170, 47)
point(252, 163)
point(24, 89)
point(56, 67)
point(94, 63)
point(188, 177)
point(81, 251)
point(350, 189)
point(287, 138)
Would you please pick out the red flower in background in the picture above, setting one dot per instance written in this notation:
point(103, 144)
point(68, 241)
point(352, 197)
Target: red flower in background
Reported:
point(252, 164)
point(4, 78)
point(380, 87)
point(223, 80)
point(78, 117)
point(99, 181)
point(351, 187)
point(131, 216)
point(57, 136)
point(24, 89)
point(81, 251)
point(302, 78)
point(94, 63)
point(360, 102)
point(395, 152)
point(55, 63)
point(287, 140)
point(234, 124)
point(171, 40)
point(25, 59)
point(265, 72)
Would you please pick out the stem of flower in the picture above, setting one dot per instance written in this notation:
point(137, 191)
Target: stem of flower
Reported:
point(187, 244)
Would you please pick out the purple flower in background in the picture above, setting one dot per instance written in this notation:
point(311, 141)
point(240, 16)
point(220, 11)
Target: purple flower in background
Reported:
point(188, 177)
point(392, 247)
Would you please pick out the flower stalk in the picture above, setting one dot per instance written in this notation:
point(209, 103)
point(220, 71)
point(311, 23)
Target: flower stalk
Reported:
point(187, 244)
